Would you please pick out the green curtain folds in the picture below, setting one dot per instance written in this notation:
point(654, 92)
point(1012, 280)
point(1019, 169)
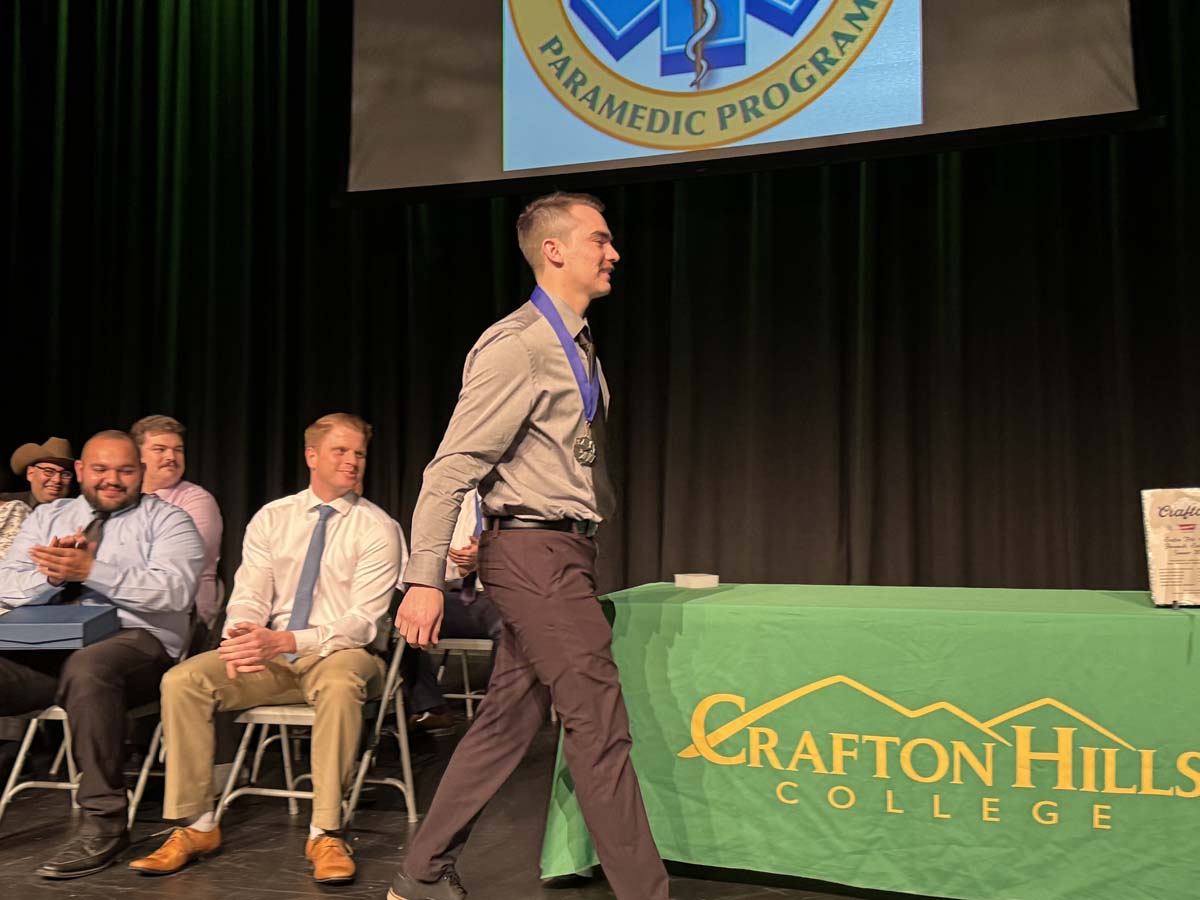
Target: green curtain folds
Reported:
point(942, 368)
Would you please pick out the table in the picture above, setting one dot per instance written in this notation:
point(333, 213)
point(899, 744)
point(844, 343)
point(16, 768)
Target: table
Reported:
point(969, 743)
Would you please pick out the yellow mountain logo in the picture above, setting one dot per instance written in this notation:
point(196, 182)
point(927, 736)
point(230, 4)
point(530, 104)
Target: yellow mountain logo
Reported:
point(749, 717)
point(935, 768)
point(1005, 755)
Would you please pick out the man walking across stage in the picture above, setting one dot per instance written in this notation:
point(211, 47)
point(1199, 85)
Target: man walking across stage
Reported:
point(529, 431)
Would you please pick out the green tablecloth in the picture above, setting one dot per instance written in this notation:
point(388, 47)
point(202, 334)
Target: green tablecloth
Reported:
point(954, 742)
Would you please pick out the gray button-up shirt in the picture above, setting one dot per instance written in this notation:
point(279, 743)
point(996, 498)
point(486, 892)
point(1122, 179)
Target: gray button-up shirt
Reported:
point(513, 434)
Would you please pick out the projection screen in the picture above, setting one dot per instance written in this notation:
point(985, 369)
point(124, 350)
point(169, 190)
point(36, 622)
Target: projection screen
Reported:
point(472, 91)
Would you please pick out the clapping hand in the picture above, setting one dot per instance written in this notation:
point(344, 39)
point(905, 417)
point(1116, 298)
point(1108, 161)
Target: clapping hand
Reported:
point(65, 559)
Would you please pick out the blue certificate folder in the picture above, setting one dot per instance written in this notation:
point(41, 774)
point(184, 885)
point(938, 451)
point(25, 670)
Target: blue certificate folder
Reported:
point(66, 627)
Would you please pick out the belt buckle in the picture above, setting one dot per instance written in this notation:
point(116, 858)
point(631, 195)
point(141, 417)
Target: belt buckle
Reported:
point(586, 527)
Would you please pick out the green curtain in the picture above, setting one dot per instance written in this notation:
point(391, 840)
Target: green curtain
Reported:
point(939, 368)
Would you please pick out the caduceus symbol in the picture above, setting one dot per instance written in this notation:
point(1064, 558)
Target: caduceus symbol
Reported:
point(704, 19)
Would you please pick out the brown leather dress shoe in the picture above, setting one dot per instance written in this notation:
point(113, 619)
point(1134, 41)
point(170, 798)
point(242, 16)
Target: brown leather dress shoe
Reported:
point(184, 845)
point(331, 860)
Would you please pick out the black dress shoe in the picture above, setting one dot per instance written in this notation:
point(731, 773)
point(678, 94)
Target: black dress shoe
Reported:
point(448, 887)
point(85, 855)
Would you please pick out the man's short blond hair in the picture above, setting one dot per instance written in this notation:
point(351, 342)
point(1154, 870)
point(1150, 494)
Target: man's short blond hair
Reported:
point(548, 217)
point(149, 425)
point(315, 433)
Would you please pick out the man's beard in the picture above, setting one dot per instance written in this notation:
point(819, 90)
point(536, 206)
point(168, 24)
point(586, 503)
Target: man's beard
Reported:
point(92, 494)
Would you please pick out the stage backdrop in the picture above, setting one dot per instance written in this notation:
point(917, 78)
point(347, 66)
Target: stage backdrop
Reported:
point(947, 369)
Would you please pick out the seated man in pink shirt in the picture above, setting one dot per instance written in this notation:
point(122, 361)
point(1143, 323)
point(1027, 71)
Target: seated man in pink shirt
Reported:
point(160, 442)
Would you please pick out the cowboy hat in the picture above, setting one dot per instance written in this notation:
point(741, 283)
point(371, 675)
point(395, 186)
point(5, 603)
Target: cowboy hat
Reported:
point(55, 450)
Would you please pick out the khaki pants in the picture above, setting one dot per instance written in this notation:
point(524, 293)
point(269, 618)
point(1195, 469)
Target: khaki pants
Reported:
point(336, 686)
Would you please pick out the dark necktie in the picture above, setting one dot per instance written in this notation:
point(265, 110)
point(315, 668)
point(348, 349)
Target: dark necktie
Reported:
point(470, 581)
point(94, 533)
point(606, 501)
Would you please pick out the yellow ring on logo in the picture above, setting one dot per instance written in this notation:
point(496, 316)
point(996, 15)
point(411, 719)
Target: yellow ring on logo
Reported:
point(597, 95)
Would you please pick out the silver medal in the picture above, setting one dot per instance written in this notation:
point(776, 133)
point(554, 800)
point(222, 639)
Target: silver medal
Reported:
point(585, 449)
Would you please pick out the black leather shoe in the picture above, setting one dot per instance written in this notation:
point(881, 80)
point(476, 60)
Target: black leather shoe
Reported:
point(448, 887)
point(86, 855)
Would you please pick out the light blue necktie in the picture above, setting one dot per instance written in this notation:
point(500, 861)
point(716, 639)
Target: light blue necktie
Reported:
point(302, 605)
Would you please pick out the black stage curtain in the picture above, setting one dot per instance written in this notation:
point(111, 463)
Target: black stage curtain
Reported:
point(952, 368)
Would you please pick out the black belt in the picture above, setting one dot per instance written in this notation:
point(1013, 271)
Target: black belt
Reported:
point(577, 526)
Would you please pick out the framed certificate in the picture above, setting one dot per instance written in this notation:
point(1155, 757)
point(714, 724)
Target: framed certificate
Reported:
point(1171, 517)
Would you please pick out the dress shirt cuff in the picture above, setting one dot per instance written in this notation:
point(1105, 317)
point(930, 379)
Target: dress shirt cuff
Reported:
point(308, 641)
point(426, 569)
point(103, 577)
point(41, 595)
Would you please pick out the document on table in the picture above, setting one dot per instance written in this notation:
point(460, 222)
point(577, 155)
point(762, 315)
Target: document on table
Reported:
point(1172, 522)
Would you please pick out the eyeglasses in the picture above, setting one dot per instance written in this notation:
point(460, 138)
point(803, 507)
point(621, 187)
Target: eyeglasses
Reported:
point(50, 473)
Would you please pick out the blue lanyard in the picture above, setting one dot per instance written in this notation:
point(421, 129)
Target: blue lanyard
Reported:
point(589, 390)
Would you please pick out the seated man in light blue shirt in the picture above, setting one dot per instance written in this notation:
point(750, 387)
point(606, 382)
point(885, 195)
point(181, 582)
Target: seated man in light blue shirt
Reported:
point(114, 546)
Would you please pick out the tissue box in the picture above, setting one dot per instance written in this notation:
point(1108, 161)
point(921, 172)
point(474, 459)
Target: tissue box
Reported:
point(56, 627)
point(696, 580)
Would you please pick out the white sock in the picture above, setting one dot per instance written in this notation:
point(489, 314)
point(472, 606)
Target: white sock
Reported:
point(314, 832)
point(204, 822)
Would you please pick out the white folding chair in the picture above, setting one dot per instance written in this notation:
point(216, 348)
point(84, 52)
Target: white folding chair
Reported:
point(288, 716)
point(15, 786)
point(464, 647)
point(156, 753)
point(57, 714)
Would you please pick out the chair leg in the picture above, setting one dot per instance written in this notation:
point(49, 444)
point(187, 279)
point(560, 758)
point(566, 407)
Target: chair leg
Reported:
point(466, 679)
point(56, 766)
point(293, 806)
point(72, 773)
point(351, 804)
point(144, 773)
point(17, 766)
point(238, 761)
point(263, 743)
point(410, 796)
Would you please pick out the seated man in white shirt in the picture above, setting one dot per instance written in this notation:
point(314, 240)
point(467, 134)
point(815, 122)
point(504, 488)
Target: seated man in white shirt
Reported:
point(468, 612)
point(317, 574)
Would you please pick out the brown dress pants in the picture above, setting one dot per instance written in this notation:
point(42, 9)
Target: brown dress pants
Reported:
point(555, 647)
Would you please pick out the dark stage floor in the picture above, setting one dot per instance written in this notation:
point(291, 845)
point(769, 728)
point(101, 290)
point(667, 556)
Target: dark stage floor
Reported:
point(263, 856)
